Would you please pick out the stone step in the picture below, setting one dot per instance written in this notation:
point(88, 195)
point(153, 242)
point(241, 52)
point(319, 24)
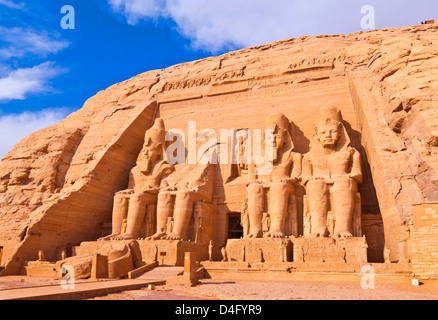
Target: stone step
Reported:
point(163, 273)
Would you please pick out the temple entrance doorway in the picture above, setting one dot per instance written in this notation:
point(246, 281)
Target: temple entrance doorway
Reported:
point(235, 230)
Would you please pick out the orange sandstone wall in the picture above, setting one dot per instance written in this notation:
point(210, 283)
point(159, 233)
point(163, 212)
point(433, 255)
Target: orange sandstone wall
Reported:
point(423, 244)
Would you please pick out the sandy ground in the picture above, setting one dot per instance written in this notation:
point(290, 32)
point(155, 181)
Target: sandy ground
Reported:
point(209, 289)
point(247, 290)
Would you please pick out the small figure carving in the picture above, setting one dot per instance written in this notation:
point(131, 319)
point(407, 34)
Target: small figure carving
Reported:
point(224, 254)
point(283, 251)
point(266, 222)
point(210, 251)
point(63, 254)
point(244, 220)
point(169, 225)
point(124, 225)
point(41, 256)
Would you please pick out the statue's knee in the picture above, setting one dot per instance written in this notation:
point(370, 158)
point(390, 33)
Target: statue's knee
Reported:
point(255, 188)
point(345, 184)
point(136, 197)
point(183, 195)
point(164, 196)
point(120, 199)
point(317, 186)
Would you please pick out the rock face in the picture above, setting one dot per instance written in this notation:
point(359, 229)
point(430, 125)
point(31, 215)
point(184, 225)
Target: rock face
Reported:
point(58, 184)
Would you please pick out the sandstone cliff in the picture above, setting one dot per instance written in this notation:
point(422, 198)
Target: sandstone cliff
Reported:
point(57, 185)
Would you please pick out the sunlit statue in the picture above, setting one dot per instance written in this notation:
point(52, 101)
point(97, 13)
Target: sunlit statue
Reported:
point(280, 182)
point(144, 182)
point(190, 183)
point(333, 164)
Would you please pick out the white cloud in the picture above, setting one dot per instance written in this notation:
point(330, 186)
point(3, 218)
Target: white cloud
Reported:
point(135, 10)
point(15, 127)
point(11, 4)
point(215, 25)
point(19, 42)
point(20, 83)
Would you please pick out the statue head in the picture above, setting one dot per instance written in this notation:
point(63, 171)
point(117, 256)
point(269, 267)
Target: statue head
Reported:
point(154, 142)
point(328, 127)
point(279, 123)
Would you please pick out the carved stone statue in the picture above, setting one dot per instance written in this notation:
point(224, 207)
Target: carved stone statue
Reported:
point(144, 182)
point(286, 169)
point(244, 218)
point(224, 254)
point(333, 164)
point(210, 251)
point(41, 256)
point(193, 183)
point(63, 254)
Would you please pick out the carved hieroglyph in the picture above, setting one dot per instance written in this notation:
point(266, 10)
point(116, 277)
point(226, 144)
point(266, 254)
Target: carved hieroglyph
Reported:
point(331, 166)
point(286, 169)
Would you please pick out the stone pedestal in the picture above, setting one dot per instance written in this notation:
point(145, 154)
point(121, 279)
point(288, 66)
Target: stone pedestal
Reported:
point(348, 250)
point(351, 250)
point(259, 250)
point(43, 269)
point(165, 252)
point(171, 252)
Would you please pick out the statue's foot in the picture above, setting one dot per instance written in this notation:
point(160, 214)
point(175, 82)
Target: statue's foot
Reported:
point(274, 234)
point(174, 236)
point(319, 233)
point(108, 237)
point(157, 236)
point(343, 234)
point(255, 235)
point(124, 236)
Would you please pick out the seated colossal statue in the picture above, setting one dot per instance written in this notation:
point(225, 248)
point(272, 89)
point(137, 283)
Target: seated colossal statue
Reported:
point(286, 167)
point(189, 184)
point(144, 184)
point(331, 172)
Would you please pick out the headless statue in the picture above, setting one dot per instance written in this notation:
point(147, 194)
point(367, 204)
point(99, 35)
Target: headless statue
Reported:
point(189, 184)
point(331, 163)
point(281, 181)
point(143, 188)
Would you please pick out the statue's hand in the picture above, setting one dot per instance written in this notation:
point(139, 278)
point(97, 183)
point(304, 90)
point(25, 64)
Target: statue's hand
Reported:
point(355, 176)
point(127, 191)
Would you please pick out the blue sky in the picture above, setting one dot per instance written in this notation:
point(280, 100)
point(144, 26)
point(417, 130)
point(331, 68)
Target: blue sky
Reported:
point(47, 72)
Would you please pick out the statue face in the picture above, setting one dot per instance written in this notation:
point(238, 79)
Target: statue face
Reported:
point(328, 134)
point(150, 150)
point(279, 138)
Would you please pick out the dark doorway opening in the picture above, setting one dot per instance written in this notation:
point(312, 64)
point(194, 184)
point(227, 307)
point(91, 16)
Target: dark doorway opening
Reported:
point(235, 230)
